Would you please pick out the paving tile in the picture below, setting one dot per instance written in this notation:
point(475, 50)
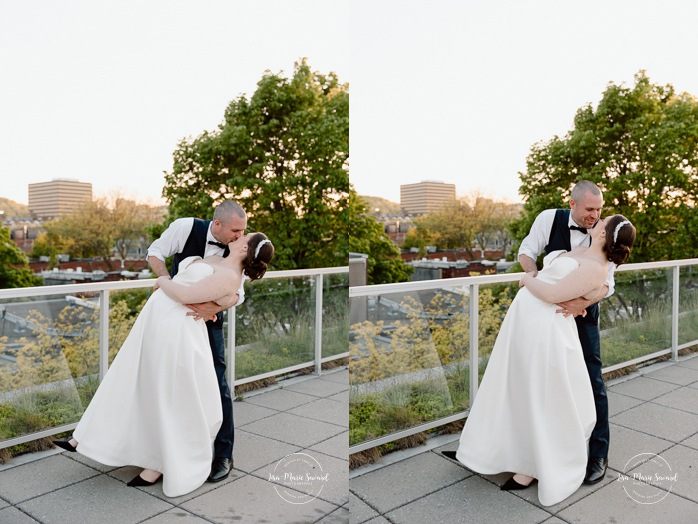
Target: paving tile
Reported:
point(335, 490)
point(691, 362)
point(294, 430)
point(618, 403)
point(471, 500)
point(3, 504)
point(329, 411)
point(611, 504)
point(339, 516)
point(280, 399)
point(664, 422)
point(643, 388)
point(405, 481)
point(553, 520)
point(342, 396)
point(691, 442)
point(679, 460)
point(318, 388)
point(177, 515)
point(82, 459)
point(254, 451)
point(14, 516)
point(685, 399)
point(246, 412)
point(378, 520)
point(341, 377)
point(359, 511)
point(675, 374)
point(337, 446)
point(102, 499)
point(252, 499)
point(627, 443)
point(31, 479)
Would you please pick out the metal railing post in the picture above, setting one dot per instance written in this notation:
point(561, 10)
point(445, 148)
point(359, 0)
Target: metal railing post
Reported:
point(318, 324)
point(103, 333)
point(230, 370)
point(474, 343)
point(675, 314)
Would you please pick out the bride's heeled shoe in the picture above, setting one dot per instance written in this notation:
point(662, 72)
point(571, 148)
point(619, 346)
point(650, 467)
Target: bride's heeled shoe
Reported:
point(449, 454)
point(140, 481)
point(512, 485)
point(65, 444)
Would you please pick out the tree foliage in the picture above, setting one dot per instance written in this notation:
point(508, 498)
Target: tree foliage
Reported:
point(283, 155)
point(470, 222)
point(384, 264)
point(101, 228)
point(14, 265)
point(640, 146)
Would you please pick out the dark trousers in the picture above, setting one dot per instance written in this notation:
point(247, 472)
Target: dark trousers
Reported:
point(223, 445)
point(588, 328)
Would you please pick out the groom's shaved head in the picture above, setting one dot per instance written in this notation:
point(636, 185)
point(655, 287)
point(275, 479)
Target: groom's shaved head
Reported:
point(227, 209)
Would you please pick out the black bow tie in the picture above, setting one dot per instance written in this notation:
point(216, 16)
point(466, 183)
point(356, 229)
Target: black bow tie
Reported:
point(223, 246)
point(582, 229)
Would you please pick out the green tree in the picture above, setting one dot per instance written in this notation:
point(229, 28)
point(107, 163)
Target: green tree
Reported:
point(99, 228)
point(640, 146)
point(14, 265)
point(283, 154)
point(384, 264)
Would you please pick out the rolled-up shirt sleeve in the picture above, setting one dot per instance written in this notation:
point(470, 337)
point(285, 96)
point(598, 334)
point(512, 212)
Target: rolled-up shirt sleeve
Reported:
point(172, 239)
point(534, 244)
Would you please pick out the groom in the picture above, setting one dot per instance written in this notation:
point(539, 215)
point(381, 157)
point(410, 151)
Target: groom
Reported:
point(555, 229)
point(186, 237)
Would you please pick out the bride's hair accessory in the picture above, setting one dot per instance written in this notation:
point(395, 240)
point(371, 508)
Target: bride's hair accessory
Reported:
point(615, 233)
point(267, 241)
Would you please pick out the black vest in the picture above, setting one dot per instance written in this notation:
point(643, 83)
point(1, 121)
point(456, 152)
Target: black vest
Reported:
point(195, 245)
point(560, 239)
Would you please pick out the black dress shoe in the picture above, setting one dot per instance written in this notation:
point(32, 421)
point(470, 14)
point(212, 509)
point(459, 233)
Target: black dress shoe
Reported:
point(596, 470)
point(140, 481)
point(220, 469)
point(449, 454)
point(512, 485)
point(65, 444)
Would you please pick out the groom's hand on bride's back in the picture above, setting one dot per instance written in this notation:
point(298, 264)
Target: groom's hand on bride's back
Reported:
point(575, 307)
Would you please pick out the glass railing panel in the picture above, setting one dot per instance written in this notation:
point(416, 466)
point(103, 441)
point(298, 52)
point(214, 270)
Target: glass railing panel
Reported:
point(335, 314)
point(49, 360)
point(688, 304)
point(275, 326)
point(409, 355)
point(636, 320)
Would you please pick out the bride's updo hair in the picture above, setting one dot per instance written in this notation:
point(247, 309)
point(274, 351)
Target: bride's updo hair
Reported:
point(620, 236)
point(260, 251)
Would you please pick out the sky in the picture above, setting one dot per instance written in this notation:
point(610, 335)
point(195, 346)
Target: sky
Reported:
point(450, 90)
point(103, 91)
point(459, 91)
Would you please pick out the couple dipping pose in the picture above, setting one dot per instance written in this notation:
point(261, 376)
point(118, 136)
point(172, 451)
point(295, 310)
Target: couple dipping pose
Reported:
point(541, 410)
point(165, 404)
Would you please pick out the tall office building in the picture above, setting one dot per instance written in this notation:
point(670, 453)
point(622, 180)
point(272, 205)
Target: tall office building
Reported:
point(425, 197)
point(58, 197)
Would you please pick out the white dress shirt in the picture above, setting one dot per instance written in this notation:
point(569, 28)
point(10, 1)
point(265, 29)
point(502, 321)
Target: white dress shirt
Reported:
point(539, 236)
point(174, 238)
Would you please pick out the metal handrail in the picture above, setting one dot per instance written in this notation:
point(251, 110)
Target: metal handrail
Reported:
point(473, 283)
point(103, 288)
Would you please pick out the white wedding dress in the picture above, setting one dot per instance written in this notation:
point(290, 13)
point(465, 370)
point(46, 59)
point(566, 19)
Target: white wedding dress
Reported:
point(159, 406)
point(534, 410)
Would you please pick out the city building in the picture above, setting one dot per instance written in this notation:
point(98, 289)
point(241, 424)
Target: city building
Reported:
point(425, 197)
point(56, 198)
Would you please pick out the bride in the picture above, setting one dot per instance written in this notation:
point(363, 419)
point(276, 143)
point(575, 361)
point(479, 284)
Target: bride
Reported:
point(159, 406)
point(534, 410)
